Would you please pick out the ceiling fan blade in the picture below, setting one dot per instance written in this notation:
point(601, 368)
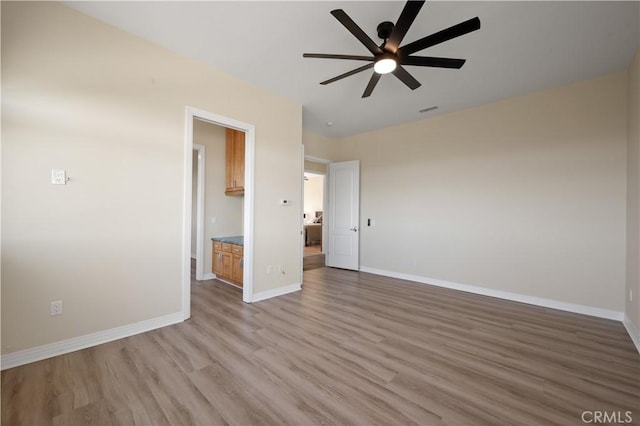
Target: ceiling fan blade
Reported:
point(347, 74)
point(354, 29)
point(427, 61)
point(375, 77)
point(408, 15)
point(441, 36)
point(404, 76)
point(332, 56)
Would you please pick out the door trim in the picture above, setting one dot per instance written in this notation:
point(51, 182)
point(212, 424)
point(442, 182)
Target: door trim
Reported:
point(192, 113)
point(200, 149)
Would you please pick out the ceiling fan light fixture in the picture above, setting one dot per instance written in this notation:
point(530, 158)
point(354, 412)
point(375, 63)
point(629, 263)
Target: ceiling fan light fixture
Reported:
point(390, 56)
point(385, 65)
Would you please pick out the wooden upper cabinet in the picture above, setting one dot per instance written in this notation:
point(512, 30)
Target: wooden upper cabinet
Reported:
point(234, 154)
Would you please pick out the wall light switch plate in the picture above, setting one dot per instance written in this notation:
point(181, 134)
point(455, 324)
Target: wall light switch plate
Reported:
point(56, 307)
point(58, 177)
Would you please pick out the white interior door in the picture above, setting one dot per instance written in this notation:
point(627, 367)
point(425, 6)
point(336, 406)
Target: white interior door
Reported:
point(343, 249)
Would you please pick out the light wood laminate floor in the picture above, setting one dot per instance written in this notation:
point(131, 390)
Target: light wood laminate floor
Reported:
point(351, 348)
point(313, 262)
point(312, 250)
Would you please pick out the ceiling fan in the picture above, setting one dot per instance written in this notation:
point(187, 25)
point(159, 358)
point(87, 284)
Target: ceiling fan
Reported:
point(389, 57)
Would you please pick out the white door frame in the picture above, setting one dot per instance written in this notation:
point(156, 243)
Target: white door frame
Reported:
point(200, 149)
point(301, 217)
point(192, 113)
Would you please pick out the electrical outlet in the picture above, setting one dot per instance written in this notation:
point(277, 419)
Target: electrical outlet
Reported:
point(58, 177)
point(56, 307)
point(268, 269)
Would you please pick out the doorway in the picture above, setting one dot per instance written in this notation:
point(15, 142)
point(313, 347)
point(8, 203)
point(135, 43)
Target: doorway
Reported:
point(191, 115)
point(314, 220)
point(340, 214)
point(218, 212)
point(313, 216)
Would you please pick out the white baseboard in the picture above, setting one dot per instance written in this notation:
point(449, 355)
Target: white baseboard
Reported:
point(516, 297)
point(209, 276)
point(263, 295)
point(229, 283)
point(15, 359)
point(632, 330)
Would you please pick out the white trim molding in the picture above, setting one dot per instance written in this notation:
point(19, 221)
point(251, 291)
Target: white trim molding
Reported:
point(209, 276)
point(632, 330)
point(280, 291)
point(15, 359)
point(202, 155)
point(516, 297)
point(316, 159)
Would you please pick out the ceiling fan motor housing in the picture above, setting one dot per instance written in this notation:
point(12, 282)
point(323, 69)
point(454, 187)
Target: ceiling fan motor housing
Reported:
point(384, 29)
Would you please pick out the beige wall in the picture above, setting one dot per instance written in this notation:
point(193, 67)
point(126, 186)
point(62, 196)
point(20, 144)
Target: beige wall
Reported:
point(109, 108)
point(312, 166)
point(226, 210)
point(632, 307)
point(525, 195)
point(319, 146)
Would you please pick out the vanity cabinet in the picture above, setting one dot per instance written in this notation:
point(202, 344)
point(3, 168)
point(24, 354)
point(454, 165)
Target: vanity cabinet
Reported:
point(222, 259)
point(234, 162)
point(228, 262)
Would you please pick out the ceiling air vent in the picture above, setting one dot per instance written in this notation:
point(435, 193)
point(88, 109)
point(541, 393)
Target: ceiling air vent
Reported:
point(422, 111)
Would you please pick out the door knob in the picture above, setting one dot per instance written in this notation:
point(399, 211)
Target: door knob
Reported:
point(354, 229)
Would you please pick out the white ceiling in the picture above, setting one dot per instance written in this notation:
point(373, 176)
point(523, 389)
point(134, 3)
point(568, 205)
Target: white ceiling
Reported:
point(521, 47)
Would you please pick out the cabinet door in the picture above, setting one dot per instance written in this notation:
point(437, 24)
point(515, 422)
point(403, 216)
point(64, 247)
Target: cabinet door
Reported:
point(236, 267)
point(236, 270)
point(234, 162)
point(226, 265)
point(217, 263)
point(238, 160)
point(229, 163)
point(222, 259)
